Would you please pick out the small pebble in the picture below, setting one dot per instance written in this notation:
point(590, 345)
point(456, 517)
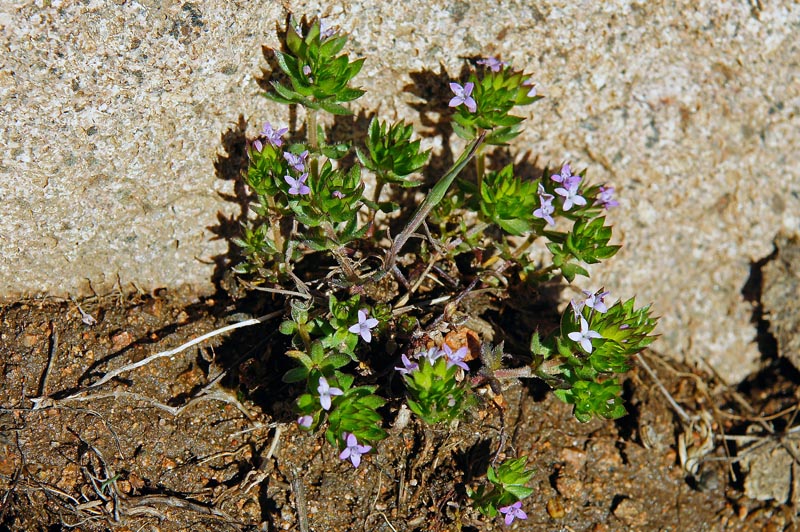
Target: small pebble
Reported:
point(555, 508)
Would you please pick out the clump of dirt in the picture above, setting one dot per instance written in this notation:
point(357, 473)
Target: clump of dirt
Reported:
point(205, 439)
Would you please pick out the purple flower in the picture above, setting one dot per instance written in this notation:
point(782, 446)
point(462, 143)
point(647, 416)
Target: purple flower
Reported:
point(431, 355)
point(543, 194)
point(566, 173)
point(530, 83)
point(513, 511)
point(570, 191)
point(337, 194)
point(326, 30)
point(606, 198)
point(258, 146)
point(546, 209)
point(305, 421)
point(492, 63)
point(325, 393)
point(455, 358)
point(273, 136)
point(585, 336)
point(298, 162)
point(463, 95)
point(353, 451)
point(596, 301)
point(363, 326)
point(577, 307)
point(307, 73)
point(297, 186)
point(408, 366)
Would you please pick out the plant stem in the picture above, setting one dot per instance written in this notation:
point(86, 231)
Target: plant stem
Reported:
point(524, 246)
point(375, 197)
point(480, 167)
point(378, 189)
point(433, 198)
point(275, 224)
point(313, 141)
point(303, 331)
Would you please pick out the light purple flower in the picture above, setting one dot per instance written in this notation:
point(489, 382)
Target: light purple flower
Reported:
point(543, 193)
point(546, 208)
point(572, 181)
point(408, 366)
point(258, 145)
point(353, 451)
point(307, 73)
point(492, 63)
point(513, 511)
point(326, 30)
point(337, 194)
point(325, 392)
point(297, 186)
point(463, 95)
point(431, 355)
point(577, 307)
point(596, 301)
point(530, 83)
point(305, 421)
point(606, 198)
point(584, 337)
point(570, 192)
point(273, 136)
point(455, 358)
point(298, 162)
point(566, 172)
point(363, 326)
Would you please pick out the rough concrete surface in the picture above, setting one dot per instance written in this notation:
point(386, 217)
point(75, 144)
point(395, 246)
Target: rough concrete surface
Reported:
point(112, 115)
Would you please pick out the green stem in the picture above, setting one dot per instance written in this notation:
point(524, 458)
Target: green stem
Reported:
point(433, 198)
point(524, 246)
point(378, 189)
point(275, 224)
point(375, 197)
point(313, 141)
point(543, 271)
point(303, 331)
point(480, 167)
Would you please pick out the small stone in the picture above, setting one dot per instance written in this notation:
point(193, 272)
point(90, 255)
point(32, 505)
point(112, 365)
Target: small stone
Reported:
point(569, 487)
point(555, 508)
point(135, 481)
point(30, 340)
point(124, 486)
point(631, 512)
point(121, 340)
point(573, 456)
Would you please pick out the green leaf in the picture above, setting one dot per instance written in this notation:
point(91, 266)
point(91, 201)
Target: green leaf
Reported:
point(298, 374)
point(334, 108)
point(337, 360)
point(570, 270)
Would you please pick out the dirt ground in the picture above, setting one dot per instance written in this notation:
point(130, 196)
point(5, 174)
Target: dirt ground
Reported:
point(206, 439)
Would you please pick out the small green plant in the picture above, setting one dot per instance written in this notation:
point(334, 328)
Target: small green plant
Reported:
point(434, 392)
point(504, 490)
point(355, 269)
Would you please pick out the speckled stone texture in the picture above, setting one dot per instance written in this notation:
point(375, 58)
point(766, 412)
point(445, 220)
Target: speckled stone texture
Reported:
point(113, 115)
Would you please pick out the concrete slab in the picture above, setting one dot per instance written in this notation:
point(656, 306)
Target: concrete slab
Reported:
point(114, 114)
